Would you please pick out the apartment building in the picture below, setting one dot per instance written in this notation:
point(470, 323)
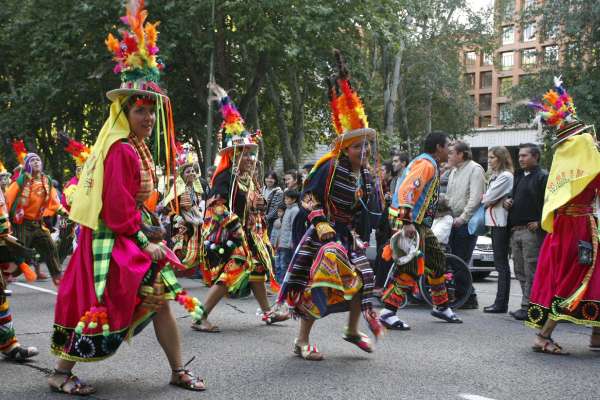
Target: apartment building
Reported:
point(490, 76)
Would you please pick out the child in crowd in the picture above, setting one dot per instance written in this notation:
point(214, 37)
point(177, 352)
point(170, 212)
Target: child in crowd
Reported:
point(285, 246)
point(274, 238)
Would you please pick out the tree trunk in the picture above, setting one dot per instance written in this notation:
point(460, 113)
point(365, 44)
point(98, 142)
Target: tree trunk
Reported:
point(404, 117)
point(298, 98)
point(392, 84)
point(262, 67)
point(428, 114)
point(288, 155)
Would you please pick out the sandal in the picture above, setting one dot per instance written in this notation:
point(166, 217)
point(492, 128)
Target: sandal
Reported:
point(71, 385)
point(549, 347)
point(205, 326)
point(183, 378)
point(397, 325)
point(308, 352)
point(271, 317)
point(20, 354)
point(362, 341)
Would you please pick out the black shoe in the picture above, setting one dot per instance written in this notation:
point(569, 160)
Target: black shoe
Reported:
point(494, 309)
point(471, 303)
point(446, 316)
point(519, 315)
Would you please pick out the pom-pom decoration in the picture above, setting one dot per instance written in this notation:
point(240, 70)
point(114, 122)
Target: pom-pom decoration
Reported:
point(556, 108)
point(348, 112)
point(191, 304)
point(135, 54)
point(96, 317)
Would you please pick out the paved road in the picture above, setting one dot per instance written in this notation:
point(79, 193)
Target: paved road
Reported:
point(487, 357)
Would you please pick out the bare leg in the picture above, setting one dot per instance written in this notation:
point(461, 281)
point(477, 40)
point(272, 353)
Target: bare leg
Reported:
point(167, 334)
point(354, 315)
point(260, 293)
point(595, 339)
point(215, 294)
point(304, 333)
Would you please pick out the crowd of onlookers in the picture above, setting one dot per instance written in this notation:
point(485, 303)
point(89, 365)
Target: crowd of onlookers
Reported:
point(511, 203)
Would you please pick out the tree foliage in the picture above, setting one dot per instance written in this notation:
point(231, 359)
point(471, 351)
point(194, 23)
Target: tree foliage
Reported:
point(272, 57)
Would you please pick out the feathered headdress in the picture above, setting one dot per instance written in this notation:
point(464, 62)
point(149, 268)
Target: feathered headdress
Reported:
point(135, 54)
point(3, 169)
point(235, 133)
point(556, 109)
point(348, 113)
point(20, 150)
point(77, 150)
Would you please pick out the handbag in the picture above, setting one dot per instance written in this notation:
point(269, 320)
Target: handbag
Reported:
point(476, 224)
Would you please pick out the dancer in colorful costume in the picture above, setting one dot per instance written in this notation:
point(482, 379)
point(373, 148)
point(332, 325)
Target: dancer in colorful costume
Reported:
point(9, 345)
point(80, 154)
point(566, 285)
point(29, 199)
point(188, 222)
point(120, 277)
point(236, 253)
point(329, 271)
point(412, 211)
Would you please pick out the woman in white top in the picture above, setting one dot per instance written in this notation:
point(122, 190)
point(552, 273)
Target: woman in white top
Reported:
point(500, 186)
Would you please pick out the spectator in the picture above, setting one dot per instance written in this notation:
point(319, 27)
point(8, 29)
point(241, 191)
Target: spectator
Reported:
point(501, 182)
point(285, 247)
point(399, 162)
point(387, 174)
point(274, 238)
point(524, 216)
point(465, 190)
point(273, 196)
point(292, 180)
point(306, 170)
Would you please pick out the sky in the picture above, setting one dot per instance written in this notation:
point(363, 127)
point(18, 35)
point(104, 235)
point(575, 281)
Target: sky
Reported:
point(478, 4)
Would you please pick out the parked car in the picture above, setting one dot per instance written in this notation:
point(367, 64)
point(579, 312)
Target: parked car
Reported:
point(482, 262)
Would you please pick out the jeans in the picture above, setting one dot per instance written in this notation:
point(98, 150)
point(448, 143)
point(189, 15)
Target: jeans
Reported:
point(282, 261)
point(500, 238)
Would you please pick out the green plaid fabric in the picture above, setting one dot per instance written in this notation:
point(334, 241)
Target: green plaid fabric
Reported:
point(102, 245)
point(4, 227)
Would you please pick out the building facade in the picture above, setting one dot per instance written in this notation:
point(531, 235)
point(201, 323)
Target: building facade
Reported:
point(522, 47)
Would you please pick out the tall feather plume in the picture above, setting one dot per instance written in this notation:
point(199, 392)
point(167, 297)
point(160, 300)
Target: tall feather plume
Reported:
point(19, 149)
point(556, 108)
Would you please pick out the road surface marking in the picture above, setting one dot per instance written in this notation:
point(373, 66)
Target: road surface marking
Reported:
point(467, 396)
point(35, 288)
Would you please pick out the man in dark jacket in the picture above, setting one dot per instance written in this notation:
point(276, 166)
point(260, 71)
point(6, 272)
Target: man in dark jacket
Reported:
point(525, 214)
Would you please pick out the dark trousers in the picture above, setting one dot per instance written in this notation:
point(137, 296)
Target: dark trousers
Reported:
point(500, 239)
point(462, 244)
point(33, 235)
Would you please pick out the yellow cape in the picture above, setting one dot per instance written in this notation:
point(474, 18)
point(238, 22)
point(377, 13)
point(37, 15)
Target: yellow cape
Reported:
point(87, 198)
point(576, 163)
point(179, 187)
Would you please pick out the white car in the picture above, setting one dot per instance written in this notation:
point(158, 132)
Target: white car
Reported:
point(482, 262)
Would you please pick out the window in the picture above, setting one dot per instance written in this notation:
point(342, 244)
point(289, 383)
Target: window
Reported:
point(505, 85)
point(485, 80)
point(529, 32)
point(508, 9)
point(485, 102)
point(504, 114)
point(485, 121)
point(508, 35)
point(470, 80)
point(552, 31)
point(551, 54)
point(470, 58)
point(487, 59)
point(528, 57)
point(507, 60)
